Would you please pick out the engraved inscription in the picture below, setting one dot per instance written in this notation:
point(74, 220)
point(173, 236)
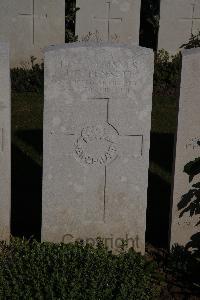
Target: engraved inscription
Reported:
point(106, 77)
point(32, 15)
point(96, 146)
point(108, 19)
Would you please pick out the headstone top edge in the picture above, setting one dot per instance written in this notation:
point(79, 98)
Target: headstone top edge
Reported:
point(96, 46)
point(192, 51)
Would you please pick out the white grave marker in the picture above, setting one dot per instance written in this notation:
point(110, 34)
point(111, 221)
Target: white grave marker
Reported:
point(31, 25)
point(96, 143)
point(185, 212)
point(108, 20)
point(178, 20)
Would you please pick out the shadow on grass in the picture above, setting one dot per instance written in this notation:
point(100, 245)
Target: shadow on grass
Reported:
point(26, 196)
point(158, 212)
point(33, 138)
point(161, 150)
point(159, 191)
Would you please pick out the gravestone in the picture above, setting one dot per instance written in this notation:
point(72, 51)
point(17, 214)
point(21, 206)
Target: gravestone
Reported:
point(108, 20)
point(5, 154)
point(97, 119)
point(178, 20)
point(185, 212)
point(31, 25)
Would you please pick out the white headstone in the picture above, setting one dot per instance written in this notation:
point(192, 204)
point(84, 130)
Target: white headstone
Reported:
point(108, 20)
point(185, 212)
point(31, 25)
point(5, 153)
point(97, 121)
point(178, 19)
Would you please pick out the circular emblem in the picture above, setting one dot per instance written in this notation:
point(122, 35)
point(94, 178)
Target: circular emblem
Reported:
point(96, 145)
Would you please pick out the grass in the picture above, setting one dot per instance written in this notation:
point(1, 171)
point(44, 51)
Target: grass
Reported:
point(27, 118)
point(164, 115)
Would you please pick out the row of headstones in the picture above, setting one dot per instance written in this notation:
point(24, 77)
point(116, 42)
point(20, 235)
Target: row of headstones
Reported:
point(31, 25)
point(120, 21)
point(97, 120)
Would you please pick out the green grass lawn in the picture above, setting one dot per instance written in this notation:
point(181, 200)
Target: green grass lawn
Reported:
point(164, 115)
point(27, 118)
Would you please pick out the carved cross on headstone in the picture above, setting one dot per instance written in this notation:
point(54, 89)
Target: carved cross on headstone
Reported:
point(32, 15)
point(108, 19)
point(96, 145)
point(192, 19)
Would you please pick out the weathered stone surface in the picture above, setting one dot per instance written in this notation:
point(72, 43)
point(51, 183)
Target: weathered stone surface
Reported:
point(31, 25)
point(116, 21)
point(178, 19)
point(97, 119)
point(185, 213)
point(5, 155)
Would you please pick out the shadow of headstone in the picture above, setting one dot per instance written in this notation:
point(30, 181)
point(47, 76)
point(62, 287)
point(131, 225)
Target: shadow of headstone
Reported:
point(33, 138)
point(26, 196)
point(161, 150)
point(158, 212)
point(159, 191)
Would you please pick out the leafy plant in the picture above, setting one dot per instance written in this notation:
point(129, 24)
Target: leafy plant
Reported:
point(194, 243)
point(70, 19)
point(190, 202)
point(192, 168)
point(28, 79)
point(184, 265)
point(32, 270)
point(194, 41)
point(149, 23)
point(167, 73)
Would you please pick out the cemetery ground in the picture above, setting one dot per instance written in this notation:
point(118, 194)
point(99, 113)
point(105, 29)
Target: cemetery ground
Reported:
point(27, 114)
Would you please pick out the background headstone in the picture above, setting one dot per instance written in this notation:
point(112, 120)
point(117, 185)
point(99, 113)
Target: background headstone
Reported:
point(178, 19)
point(97, 120)
point(185, 213)
point(108, 20)
point(31, 25)
point(5, 154)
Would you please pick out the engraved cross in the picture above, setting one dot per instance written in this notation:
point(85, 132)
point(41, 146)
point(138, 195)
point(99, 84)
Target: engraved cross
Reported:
point(192, 19)
point(32, 15)
point(108, 19)
point(135, 142)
